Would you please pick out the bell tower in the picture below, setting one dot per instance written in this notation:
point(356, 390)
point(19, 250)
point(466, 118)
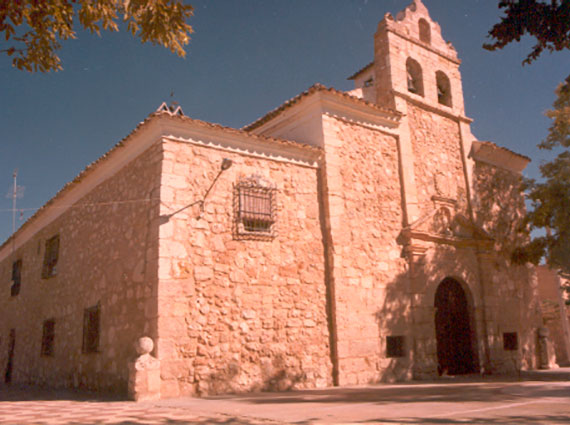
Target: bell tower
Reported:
point(416, 72)
point(414, 62)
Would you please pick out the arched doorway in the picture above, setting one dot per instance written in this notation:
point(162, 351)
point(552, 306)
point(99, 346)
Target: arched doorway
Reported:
point(453, 329)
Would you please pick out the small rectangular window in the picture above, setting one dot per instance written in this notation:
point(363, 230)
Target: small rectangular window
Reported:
point(16, 278)
point(51, 257)
point(91, 329)
point(48, 336)
point(395, 346)
point(510, 341)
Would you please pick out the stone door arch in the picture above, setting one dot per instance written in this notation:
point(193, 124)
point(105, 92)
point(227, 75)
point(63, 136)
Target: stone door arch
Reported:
point(453, 329)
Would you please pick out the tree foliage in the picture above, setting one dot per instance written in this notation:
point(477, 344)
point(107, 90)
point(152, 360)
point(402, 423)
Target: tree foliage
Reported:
point(550, 198)
point(548, 22)
point(33, 29)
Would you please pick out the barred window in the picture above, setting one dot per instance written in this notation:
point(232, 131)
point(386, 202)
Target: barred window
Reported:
point(48, 337)
point(16, 278)
point(255, 209)
point(51, 257)
point(91, 329)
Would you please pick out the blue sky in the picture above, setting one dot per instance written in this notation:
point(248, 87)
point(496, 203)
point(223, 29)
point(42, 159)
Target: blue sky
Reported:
point(245, 58)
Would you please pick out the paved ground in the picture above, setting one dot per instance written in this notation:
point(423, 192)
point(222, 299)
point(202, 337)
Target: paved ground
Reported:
point(538, 398)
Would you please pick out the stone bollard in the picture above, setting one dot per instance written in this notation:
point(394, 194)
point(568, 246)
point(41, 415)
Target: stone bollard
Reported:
point(144, 373)
point(545, 350)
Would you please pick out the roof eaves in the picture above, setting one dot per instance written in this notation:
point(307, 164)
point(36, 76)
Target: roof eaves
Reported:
point(495, 146)
point(241, 132)
point(360, 71)
point(90, 167)
point(313, 89)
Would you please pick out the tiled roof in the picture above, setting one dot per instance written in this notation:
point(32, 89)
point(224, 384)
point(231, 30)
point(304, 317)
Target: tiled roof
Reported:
point(219, 127)
point(77, 180)
point(313, 89)
point(357, 73)
point(495, 146)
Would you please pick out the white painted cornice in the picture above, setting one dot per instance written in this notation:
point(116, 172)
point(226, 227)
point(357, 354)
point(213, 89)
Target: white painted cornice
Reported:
point(307, 108)
point(358, 112)
point(335, 104)
point(218, 137)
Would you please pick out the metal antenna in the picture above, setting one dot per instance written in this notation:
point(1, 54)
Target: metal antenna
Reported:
point(14, 197)
point(16, 192)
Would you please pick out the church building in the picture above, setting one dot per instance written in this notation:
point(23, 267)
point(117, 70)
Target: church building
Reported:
point(343, 238)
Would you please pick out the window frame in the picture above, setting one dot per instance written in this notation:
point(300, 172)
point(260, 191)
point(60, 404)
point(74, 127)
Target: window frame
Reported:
point(51, 257)
point(16, 278)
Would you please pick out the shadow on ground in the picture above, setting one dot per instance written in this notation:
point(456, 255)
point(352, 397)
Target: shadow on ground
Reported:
point(519, 420)
point(401, 394)
point(15, 392)
point(198, 421)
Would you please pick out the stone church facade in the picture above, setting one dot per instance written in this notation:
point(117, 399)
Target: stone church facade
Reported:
point(343, 238)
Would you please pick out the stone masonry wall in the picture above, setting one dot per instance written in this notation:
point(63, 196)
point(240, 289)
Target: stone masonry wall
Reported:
point(498, 205)
point(499, 208)
point(239, 315)
point(554, 312)
point(107, 255)
point(437, 158)
point(363, 191)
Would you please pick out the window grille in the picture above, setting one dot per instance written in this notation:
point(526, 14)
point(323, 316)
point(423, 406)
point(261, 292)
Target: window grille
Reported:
point(48, 337)
point(91, 329)
point(255, 209)
point(51, 257)
point(16, 278)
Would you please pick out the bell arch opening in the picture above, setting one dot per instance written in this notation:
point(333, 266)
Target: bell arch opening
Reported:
point(454, 330)
point(415, 77)
point(443, 89)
